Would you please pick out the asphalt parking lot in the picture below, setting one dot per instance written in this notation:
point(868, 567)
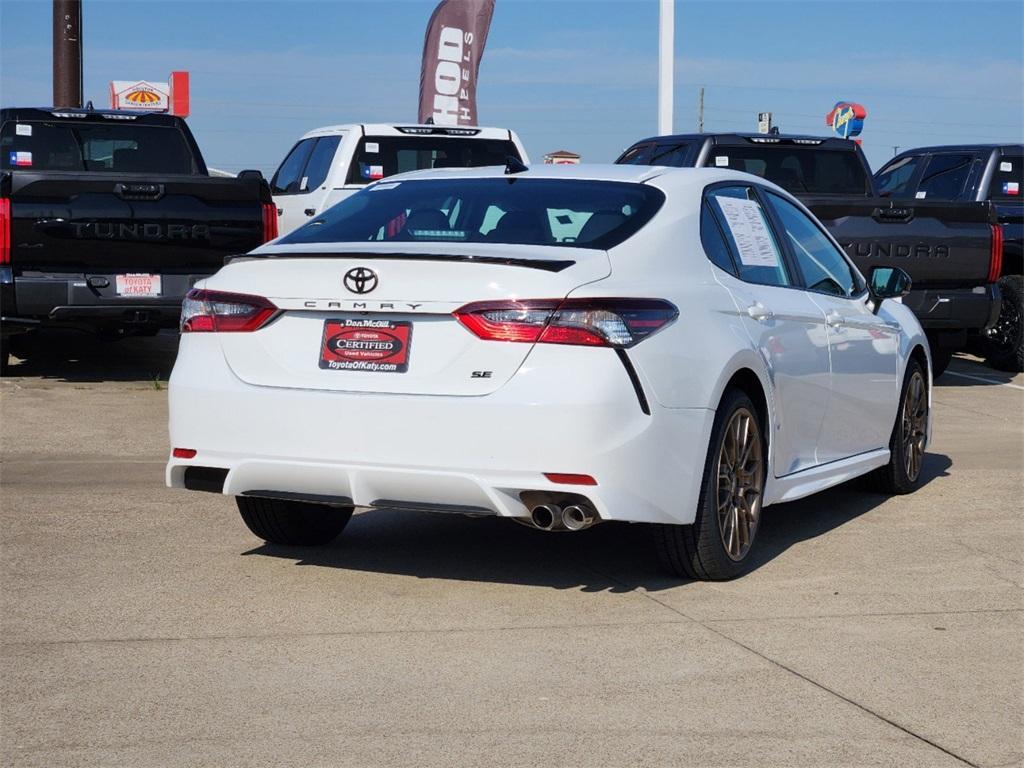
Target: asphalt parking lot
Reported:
point(147, 627)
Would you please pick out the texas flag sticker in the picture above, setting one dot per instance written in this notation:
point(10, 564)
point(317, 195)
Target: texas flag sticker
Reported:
point(1011, 187)
point(22, 159)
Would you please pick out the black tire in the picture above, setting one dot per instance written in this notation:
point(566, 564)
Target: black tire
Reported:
point(1003, 349)
point(293, 523)
point(940, 360)
point(698, 551)
point(901, 476)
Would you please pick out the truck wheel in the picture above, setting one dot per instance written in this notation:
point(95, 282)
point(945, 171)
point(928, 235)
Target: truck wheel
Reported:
point(1003, 347)
point(718, 544)
point(907, 444)
point(292, 523)
point(940, 360)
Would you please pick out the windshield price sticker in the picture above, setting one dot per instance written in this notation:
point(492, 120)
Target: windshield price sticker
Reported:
point(357, 344)
point(23, 129)
point(1003, 167)
point(750, 231)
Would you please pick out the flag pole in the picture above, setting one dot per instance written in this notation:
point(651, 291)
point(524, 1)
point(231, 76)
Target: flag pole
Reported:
point(666, 44)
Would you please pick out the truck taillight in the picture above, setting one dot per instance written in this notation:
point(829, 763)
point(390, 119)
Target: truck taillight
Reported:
point(581, 322)
point(995, 262)
point(5, 230)
point(221, 312)
point(269, 222)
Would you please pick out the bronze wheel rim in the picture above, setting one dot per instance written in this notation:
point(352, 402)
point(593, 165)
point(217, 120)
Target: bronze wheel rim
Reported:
point(740, 483)
point(914, 424)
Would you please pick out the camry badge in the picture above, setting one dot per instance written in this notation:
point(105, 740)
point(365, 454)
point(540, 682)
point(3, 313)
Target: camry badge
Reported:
point(360, 280)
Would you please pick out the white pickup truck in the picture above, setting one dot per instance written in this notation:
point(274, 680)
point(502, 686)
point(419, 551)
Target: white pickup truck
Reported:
point(329, 164)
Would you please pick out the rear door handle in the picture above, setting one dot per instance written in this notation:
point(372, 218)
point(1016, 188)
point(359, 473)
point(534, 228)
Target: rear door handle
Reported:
point(759, 311)
point(833, 318)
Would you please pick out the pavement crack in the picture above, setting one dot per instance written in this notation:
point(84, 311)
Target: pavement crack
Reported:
point(776, 663)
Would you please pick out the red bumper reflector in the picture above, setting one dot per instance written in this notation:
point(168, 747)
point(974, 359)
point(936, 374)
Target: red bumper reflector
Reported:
point(184, 453)
point(569, 479)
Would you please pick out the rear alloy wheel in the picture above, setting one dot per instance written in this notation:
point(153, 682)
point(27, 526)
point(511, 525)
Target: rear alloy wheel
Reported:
point(909, 436)
point(1003, 346)
point(293, 523)
point(717, 545)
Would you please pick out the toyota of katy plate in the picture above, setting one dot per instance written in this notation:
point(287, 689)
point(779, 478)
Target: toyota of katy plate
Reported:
point(563, 346)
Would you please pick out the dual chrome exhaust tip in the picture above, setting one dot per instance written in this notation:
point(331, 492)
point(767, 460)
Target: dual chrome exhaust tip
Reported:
point(552, 517)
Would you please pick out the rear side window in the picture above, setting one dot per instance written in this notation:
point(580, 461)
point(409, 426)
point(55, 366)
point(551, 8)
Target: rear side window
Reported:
point(945, 177)
point(897, 178)
point(637, 155)
point(744, 223)
point(117, 147)
point(289, 176)
point(799, 169)
point(378, 157)
point(1008, 178)
point(823, 267)
point(713, 240)
point(569, 213)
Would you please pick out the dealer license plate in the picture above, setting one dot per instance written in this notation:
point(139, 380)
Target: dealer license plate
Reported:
point(137, 285)
point(361, 344)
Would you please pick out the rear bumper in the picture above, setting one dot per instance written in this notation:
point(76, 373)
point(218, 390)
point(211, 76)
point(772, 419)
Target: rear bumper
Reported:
point(970, 309)
point(573, 411)
point(91, 300)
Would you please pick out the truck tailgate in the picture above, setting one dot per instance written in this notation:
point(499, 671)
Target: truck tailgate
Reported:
point(940, 244)
point(103, 222)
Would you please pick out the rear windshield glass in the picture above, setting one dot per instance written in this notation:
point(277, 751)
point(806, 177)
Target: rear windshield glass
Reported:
point(115, 147)
point(797, 169)
point(582, 214)
point(380, 156)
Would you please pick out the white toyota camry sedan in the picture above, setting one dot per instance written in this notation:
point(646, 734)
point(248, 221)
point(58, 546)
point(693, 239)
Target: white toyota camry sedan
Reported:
point(561, 345)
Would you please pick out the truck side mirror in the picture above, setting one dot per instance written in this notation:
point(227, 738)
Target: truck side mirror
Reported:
point(888, 283)
point(250, 174)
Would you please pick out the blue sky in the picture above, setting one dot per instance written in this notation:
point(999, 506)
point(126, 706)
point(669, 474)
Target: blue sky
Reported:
point(563, 74)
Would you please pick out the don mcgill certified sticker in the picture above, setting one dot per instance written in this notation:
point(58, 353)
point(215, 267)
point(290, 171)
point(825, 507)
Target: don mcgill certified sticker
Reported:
point(366, 345)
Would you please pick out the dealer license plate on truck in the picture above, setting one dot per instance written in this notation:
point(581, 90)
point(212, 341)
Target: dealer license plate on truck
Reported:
point(137, 284)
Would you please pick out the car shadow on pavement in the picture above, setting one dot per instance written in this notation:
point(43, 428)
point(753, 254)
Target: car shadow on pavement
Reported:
point(74, 356)
point(612, 557)
point(968, 371)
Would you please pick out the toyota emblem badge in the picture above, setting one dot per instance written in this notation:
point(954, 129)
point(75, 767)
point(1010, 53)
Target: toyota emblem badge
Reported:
point(360, 280)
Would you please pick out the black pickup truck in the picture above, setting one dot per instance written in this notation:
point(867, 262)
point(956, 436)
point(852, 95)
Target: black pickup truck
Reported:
point(976, 172)
point(107, 219)
point(948, 248)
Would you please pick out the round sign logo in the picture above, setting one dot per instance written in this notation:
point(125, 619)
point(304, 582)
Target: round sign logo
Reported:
point(142, 97)
point(360, 280)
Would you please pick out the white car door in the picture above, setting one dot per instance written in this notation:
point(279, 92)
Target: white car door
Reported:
point(864, 348)
point(784, 324)
point(300, 185)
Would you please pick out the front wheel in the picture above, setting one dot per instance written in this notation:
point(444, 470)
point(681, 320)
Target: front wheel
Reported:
point(909, 436)
point(292, 523)
point(718, 544)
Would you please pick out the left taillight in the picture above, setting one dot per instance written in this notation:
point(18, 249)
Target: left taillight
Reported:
point(582, 322)
point(995, 262)
point(5, 230)
point(221, 312)
point(269, 222)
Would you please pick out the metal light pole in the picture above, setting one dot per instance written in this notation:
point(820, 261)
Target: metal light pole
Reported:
point(67, 53)
point(666, 44)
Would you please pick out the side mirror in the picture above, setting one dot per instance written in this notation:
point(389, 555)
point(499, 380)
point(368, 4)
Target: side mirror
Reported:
point(888, 283)
point(250, 174)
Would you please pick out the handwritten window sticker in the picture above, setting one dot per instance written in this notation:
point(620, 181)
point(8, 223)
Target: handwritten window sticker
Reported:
point(372, 146)
point(384, 185)
point(921, 195)
point(750, 232)
point(305, 183)
point(721, 160)
point(23, 129)
point(1004, 167)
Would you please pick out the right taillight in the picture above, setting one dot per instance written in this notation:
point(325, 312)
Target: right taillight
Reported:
point(995, 262)
point(269, 222)
point(221, 312)
point(5, 230)
point(581, 322)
